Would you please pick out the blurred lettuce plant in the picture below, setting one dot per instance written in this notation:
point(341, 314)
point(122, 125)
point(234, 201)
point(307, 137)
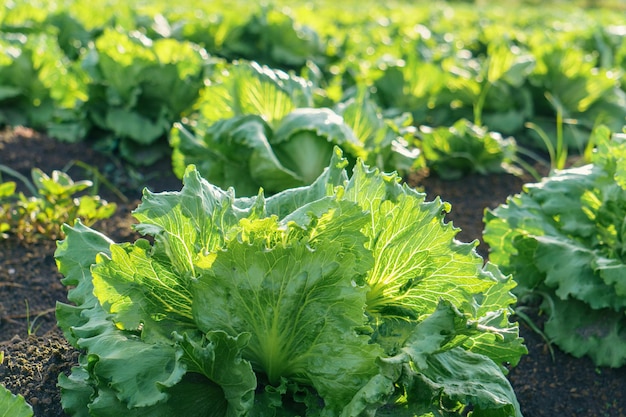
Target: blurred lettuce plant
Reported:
point(138, 88)
point(257, 127)
point(465, 148)
point(40, 87)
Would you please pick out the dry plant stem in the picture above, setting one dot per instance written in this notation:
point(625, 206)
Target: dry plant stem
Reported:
point(11, 284)
point(31, 314)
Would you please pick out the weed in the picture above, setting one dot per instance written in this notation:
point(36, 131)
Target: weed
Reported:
point(54, 200)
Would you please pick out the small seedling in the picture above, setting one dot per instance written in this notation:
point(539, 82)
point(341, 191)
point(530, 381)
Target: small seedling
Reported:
point(30, 325)
point(55, 200)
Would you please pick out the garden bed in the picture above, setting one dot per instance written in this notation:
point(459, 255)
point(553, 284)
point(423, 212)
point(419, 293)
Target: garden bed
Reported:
point(36, 351)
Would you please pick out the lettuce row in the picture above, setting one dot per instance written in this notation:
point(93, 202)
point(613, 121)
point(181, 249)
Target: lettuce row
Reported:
point(347, 297)
point(565, 239)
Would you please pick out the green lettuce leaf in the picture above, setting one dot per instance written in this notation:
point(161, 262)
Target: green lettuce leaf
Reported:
point(245, 88)
point(296, 305)
point(13, 405)
point(111, 378)
point(581, 330)
point(440, 372)
point(418, 263)
point(305, 139)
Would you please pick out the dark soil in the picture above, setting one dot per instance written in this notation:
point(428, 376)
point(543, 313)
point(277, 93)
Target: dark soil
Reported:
point(36, 351)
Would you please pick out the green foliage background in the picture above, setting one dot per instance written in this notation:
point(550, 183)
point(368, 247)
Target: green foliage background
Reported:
point(441, 62)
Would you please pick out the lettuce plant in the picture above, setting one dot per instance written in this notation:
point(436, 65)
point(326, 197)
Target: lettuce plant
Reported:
point(138, 88)
point(246, 153)
point(273, 38)
point(39, 86)
point(564, 239)
point(464, 148)
point(257, 127)
point(570, 81)
point(347, 297)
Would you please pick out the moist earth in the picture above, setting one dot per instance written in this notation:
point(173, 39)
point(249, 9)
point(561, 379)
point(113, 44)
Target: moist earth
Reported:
point(547, 381)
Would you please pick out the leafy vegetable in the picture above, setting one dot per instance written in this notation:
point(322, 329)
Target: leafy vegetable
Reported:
point(271, 37)
point(39, 87)
point(568, 80)
point(12, 405)
point(493, 85)
point(243, 88)
point(565, 240)
point(244, 152)
point(397, 87)
point(138, 88)
point(389, 142)
point(228, 139)
point(465, 148)
point(255, 127)
point(349, 296)
point(53, 203)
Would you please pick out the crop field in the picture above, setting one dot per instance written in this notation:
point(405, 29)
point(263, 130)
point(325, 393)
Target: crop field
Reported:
point(313, 208)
